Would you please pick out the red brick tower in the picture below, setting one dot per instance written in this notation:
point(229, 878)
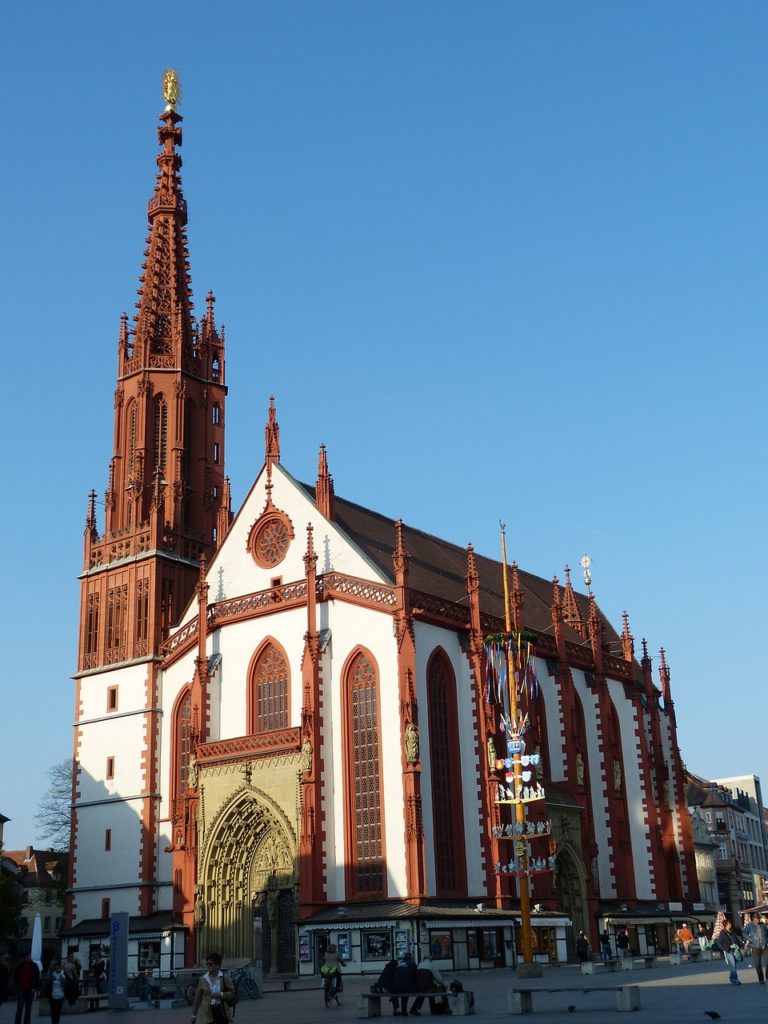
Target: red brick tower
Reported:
point(166, 500)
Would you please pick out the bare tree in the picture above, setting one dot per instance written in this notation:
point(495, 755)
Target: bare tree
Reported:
point(54, 811)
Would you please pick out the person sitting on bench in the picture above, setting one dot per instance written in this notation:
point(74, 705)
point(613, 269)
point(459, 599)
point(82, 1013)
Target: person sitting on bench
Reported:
point(428, 980)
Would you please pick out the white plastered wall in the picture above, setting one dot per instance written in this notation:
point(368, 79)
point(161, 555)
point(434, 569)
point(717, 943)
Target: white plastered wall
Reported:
point(598, 781)
point(233, 572)
point(639, 837)
point(116, 803)
point(554, 715)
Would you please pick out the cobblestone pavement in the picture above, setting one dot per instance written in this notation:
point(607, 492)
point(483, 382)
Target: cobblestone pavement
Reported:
point(668, 995)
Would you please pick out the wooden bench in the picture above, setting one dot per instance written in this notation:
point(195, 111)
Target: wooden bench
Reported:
point(520, 998)
point(631, 963)
point(589, 966)
point(461, 1004)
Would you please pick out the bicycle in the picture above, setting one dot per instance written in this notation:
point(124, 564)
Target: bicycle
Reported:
point(333, 988)
point(245, 986)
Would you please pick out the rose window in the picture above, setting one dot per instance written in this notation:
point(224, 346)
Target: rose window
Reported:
point(271, 542)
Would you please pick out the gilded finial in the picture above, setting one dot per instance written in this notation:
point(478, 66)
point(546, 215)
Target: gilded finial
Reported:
point(171, 89)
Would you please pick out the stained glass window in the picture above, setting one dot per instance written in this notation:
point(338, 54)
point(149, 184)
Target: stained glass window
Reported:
point(365, 780)
point(270, 691)
point(445, 761)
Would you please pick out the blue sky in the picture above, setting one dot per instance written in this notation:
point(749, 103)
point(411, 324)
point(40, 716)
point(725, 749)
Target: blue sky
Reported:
point(506, 260)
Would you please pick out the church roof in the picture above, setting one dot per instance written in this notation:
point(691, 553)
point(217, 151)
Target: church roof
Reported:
point(438, 567)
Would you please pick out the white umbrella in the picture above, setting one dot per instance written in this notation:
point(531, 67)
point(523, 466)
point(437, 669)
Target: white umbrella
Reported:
point(36, 950)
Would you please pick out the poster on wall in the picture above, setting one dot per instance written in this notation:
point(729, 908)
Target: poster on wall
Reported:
point(342, 944)
point(304, 953)
point(402, 942)
point(377, 946)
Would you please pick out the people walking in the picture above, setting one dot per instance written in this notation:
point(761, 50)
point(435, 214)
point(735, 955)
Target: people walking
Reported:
point(729, 943)
point(605, 947)
point(622, 943)
point(755, 932)
point(54, 990)
point(26, 978)
point(215, 994)
point(702, 937)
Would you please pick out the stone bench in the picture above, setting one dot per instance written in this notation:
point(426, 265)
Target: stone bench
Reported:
point(461, 1004)
point(632, 963)
point(692, 956)
point(590, 966)
point(520, 998)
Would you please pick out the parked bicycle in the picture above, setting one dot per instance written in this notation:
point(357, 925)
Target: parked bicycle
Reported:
point(245, 986)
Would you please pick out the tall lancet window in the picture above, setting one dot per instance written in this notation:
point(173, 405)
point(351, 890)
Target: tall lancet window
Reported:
point(161, 435)
point(365, 811)
point(445, 772)
point(182, 743)
point(269, 691)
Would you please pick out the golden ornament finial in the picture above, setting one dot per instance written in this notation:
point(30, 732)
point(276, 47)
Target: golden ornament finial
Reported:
point(171, 88)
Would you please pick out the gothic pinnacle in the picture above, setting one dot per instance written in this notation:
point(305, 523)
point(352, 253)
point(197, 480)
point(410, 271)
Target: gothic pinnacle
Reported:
point(272, 436)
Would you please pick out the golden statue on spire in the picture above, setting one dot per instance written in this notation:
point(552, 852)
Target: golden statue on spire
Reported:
point(171, 88)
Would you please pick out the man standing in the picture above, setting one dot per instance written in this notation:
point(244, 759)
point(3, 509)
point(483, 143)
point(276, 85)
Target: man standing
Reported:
point(26, 977)
point(756, 934)
point(622, 943)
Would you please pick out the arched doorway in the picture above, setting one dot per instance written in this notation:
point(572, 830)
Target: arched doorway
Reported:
point(247, 870)
point(571, 888)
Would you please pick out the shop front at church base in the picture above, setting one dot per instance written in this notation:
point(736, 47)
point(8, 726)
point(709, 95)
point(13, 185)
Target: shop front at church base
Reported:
point(458, 936)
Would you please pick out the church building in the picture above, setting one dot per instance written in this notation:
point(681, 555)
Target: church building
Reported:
point(283, 734)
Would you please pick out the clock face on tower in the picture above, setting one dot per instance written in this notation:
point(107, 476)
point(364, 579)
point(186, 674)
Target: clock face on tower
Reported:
point(270, 539)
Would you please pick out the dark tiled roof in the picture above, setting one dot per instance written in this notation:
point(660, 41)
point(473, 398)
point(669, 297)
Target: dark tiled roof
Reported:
point(439, 568)
point(39, 867)
point(394, 910)
point(97, 926)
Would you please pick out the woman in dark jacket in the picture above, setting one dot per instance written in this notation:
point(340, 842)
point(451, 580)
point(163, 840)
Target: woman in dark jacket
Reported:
point(729, 943)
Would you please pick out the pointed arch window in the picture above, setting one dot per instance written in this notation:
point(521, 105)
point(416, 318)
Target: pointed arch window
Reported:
point(131, 436)
point(365, 811)
point(182, 743)
point(270, 691)
point(189, 422)
point(161, 435)
point(445, 771)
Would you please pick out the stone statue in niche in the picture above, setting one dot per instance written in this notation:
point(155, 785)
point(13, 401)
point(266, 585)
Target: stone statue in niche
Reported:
point(305, 758)
point(616, 776)
point(579, 769)
point(411, 743)
point(192, 773)
point(491, 748)
point(199, 907)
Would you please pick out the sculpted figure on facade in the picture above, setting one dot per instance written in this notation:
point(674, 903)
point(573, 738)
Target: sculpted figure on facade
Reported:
point(616, 776)
point(305, 759)
point(199, 907)
point(579, 769)
point(491, 748)
point(411, 743)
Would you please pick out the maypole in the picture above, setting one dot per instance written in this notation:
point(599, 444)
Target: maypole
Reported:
point(511, 677)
